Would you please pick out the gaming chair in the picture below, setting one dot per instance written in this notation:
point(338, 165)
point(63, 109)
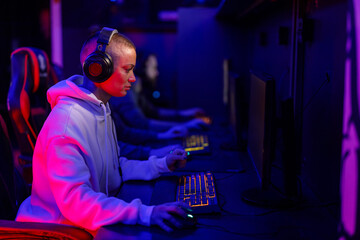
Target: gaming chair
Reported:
point(31, 76)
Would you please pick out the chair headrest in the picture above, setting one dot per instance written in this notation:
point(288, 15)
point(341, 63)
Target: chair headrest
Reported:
point(38, 62)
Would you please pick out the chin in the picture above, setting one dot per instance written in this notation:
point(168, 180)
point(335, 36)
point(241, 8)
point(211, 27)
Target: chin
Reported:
point(123, 94)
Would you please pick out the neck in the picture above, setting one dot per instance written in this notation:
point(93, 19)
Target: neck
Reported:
point(98, 92)
point(102, 95)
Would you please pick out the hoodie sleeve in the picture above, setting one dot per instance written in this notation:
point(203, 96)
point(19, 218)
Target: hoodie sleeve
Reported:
point(69, 178)
point(144, 170)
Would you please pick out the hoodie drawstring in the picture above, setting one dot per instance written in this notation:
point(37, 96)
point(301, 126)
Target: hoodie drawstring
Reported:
point(106, 150)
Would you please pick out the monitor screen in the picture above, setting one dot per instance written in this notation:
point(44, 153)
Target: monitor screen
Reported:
point(261, 129)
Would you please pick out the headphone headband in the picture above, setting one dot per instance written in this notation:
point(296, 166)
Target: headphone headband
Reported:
point(105, 37)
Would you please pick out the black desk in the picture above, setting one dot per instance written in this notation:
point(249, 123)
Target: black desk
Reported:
point(238, 220)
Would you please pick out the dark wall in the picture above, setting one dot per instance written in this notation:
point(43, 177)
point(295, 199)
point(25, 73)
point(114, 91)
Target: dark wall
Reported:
point(201, 50)
point(270, 53)
point(73, 39)
point(163, 44)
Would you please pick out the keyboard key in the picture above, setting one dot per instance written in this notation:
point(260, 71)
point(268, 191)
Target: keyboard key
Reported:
point(187, 190)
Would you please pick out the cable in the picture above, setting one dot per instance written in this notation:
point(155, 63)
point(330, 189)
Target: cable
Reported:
point(220, 196)
point(230, 175)
point(327, 80)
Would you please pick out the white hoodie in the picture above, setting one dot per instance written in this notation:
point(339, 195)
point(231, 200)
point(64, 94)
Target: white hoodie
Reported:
point(76, 165)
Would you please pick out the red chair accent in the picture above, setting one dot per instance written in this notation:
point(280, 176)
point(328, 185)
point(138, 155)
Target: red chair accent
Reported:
point(33, 230)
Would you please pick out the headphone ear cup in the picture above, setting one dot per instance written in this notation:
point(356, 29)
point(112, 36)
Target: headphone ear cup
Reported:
point(98, 67)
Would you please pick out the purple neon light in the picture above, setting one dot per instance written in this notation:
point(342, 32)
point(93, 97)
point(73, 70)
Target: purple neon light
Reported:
point(56, 33)
point(350, 144)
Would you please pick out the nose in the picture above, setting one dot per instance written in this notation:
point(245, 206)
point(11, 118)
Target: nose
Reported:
point(132, 78)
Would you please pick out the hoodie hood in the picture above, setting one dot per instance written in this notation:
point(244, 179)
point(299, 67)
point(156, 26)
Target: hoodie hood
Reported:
point(72, 87)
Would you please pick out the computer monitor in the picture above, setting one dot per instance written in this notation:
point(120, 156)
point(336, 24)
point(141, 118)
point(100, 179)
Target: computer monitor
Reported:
point(262, 129)
point(262, 143)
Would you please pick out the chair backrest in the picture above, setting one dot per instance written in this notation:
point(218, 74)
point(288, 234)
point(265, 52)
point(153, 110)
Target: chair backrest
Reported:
point(31, 76)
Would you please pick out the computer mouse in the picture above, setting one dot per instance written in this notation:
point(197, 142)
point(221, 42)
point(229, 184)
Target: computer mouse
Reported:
point(190, 221)
point(188, 156)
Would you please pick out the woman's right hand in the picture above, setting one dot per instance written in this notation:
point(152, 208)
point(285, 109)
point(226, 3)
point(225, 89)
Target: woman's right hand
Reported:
point(164, 215)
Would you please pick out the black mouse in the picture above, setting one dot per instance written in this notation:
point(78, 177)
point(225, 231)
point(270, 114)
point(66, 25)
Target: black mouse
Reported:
point(188, 156)
point(189, 221)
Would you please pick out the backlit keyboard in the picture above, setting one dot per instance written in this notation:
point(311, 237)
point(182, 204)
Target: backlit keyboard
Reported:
point(198, 192)
point(197, 142)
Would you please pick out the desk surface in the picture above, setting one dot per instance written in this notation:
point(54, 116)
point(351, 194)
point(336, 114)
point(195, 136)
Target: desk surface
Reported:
point(233, 174)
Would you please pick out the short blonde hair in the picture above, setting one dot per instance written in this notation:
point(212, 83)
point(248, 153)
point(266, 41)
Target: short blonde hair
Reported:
point(89, 45)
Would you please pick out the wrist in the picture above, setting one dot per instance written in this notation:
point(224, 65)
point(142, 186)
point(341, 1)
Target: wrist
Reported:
point(163, 165)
